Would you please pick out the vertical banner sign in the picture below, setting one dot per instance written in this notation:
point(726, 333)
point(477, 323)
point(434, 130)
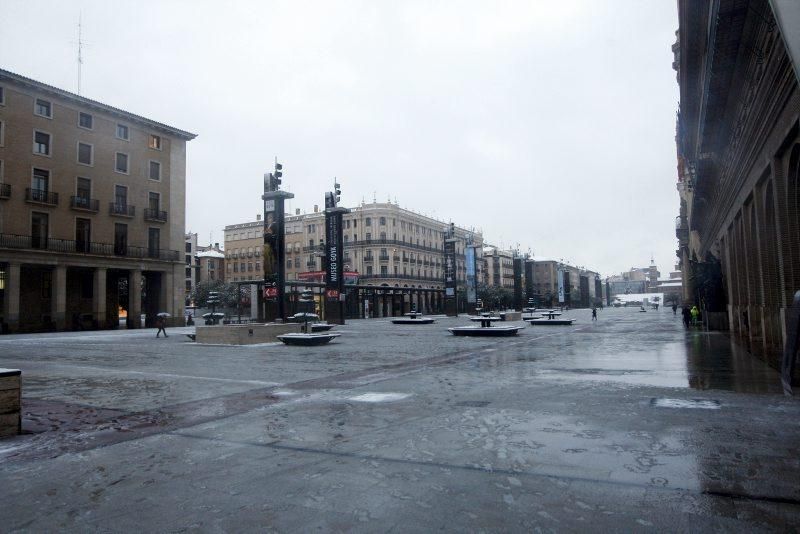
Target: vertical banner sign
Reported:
point(450, 268)
point(334, 265)
point(560, 286)
point(271, 250)
point(334, 275)
point(518, 283)
point(472, 293)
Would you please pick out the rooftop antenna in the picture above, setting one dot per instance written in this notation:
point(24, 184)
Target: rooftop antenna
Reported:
point(374, 197)
point(80, 49)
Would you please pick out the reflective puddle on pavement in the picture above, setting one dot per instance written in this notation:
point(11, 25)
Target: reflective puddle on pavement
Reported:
point(379, 397)
point(686, 403)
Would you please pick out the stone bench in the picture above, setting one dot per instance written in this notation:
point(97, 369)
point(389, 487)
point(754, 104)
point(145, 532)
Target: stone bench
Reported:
point(10, 402)
point(511, 316)
point(246, 334)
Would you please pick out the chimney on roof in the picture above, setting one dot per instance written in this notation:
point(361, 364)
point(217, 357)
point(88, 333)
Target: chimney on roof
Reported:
point(258, 216)
point(216, 245)
point(316, 208)
point(297, 211)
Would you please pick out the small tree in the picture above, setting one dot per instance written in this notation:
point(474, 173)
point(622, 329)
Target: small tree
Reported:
point(495, 297)
point(228, 293)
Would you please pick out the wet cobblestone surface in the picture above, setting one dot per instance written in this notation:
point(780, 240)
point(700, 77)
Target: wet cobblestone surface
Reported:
point(626, 424)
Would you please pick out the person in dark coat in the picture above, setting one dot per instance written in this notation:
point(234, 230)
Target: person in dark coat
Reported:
point(160, 325)
point(687, 316)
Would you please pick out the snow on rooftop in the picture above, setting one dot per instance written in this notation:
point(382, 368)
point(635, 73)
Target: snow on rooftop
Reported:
point(210, 254)
point(640, 297)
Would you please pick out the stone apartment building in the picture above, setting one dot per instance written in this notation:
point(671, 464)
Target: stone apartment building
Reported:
point(385, 244)
point(210, 264)
point(635, 280)
point(582, 287)
point(243, 246)
point(92, 208)
point(738, 151)
point(498, 267)
point(190, 272)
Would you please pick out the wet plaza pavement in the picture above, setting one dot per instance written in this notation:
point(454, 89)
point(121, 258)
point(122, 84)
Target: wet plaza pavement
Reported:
point(626, 424)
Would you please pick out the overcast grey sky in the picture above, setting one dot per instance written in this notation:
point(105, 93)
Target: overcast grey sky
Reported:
point(548, 124)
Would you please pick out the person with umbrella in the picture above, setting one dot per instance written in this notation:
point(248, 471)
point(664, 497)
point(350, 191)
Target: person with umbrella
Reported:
point(161, 323)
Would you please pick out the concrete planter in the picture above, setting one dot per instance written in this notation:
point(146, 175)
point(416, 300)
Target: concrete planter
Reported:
point(245, 334)
point(10, 402)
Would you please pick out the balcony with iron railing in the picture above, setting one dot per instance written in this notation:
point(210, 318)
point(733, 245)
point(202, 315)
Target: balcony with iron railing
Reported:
point(369, 259)
point(395, 242)
point(41, 196)
point(68, 246)
point(400, 277)
point(82, 203)
point(155, 215)
point(396, 257)
point(383, 257)
point(121, 210)
point(5, 190)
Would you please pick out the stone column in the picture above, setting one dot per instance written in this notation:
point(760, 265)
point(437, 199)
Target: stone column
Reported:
point(135, 299)
point(59, 297)
point(165, 299)
point(99, 297)
point(11, 304)
point(254, 307)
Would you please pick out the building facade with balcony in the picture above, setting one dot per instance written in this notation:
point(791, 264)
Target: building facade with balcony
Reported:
point(636, 280)
point(582, 287)
point(385, 244)
point(190, 271)
point(210, 264)
point(498, 267)
point(92, 209)
point(738, 148)
point(244, 244)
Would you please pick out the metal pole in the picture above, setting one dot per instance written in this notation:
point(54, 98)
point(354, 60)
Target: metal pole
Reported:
point(263, 252)
point(281, 258)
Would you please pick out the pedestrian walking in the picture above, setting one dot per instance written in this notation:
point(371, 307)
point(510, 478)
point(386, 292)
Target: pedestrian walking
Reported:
point(161, 326)
point(695, 315)
point(687, 316)
point(594, 314)
point(674, 309)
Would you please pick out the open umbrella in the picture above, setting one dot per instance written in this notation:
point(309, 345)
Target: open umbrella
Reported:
point(215, 314)
point(163, 314)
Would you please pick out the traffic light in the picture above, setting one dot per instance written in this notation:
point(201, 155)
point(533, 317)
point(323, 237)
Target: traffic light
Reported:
point(337, 193)
point(278, 174)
